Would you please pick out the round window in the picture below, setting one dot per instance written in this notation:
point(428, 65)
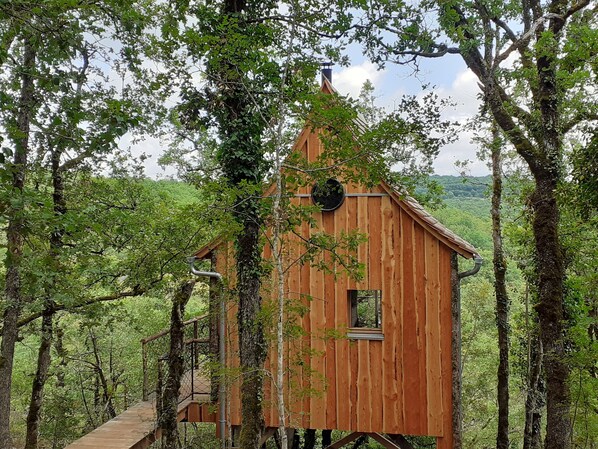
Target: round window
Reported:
point(328, 195)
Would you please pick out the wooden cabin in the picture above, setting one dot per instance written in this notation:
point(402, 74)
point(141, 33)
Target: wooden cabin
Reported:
point(378, 356)
point(392, 366)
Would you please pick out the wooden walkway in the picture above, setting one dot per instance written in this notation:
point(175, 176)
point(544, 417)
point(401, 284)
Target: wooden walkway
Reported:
point(136, 427)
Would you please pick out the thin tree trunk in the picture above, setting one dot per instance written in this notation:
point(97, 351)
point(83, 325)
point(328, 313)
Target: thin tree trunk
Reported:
point(15, 241)
point(502, 298)
point(44, 356)
point(456, 351)
point(170, 396)
point(60, 414)
point(533, 403)
point(39, 381)
point(107, 394)
point(536, 429)
point(279, 217)
point(277, 252)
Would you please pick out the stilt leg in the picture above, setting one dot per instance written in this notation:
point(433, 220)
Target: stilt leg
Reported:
point(345, 440)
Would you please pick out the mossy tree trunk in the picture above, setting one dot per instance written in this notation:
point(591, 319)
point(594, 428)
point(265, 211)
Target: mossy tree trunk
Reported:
point(500, 292)
point(241, 156)
point(167, 419)
point(15, 238)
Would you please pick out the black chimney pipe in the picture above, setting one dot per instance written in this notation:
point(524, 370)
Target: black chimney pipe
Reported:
point(327, 72)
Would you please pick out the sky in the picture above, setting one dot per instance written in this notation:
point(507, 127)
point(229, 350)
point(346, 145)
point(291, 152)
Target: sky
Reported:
point(448, 76)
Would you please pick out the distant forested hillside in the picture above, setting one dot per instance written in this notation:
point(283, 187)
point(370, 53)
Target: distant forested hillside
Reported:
point(464, 187)
point(466, 208)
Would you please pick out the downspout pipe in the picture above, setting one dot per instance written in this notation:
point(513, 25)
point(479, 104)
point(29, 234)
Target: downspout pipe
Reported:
point(477, 265)
point(221, 347)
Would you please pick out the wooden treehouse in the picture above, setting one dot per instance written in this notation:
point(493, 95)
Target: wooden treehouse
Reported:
point(392, 367)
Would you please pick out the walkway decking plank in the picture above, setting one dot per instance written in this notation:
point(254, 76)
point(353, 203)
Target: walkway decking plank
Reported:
point(136, 427)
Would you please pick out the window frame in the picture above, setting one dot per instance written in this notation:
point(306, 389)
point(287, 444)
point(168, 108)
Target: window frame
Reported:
point(364, 333)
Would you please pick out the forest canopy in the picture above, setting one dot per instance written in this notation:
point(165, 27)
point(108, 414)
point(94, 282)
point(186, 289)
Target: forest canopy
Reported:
point(95, 252)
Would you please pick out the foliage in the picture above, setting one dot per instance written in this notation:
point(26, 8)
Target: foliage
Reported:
point(128, 233)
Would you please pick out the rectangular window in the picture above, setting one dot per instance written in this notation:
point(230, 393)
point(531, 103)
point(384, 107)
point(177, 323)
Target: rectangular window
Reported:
point(366, 309)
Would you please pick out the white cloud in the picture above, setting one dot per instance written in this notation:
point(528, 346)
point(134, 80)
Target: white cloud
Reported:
point(152, 148)
point(460, 151)
point(349, 81)
point(464, 92)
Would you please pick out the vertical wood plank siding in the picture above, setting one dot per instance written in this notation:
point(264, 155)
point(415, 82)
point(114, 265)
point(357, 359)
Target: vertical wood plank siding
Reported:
point(400, 385)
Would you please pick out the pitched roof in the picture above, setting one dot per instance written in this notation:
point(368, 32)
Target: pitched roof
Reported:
point(425, 219)
point(406, 202)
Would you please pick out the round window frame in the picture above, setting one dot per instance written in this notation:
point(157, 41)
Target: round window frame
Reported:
point(338, 204)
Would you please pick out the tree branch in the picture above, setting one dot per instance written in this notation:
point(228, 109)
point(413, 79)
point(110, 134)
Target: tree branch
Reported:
point(578, 118)
point(576, 7)
point(136, 291)
point(521, 43)
point(495, 95)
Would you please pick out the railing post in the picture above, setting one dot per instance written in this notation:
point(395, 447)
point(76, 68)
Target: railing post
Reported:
point(144, 365)
point(159, 391)
point(193, 362)
point(195, 347)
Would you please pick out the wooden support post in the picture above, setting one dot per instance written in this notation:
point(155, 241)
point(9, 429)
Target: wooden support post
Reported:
point(345, 440)
point(383, 441)
point(290, 436)
point(400, 441)
point(397, 442)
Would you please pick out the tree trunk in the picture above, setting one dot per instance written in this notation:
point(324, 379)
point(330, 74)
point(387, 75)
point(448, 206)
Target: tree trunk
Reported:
point(277, 253)
point(543, 155)
point(15, 241)
point(170, 396)
point(550, 311)
point(251, 336)
point(533, 402)
point(241, 158)
point(39, 381)
point(551, 263)
point(107, 394)
point(60, 414)
point(44, 356)
point(502, 299)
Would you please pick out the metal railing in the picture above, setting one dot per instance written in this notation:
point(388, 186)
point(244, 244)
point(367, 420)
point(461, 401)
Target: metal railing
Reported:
point(154, 353)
